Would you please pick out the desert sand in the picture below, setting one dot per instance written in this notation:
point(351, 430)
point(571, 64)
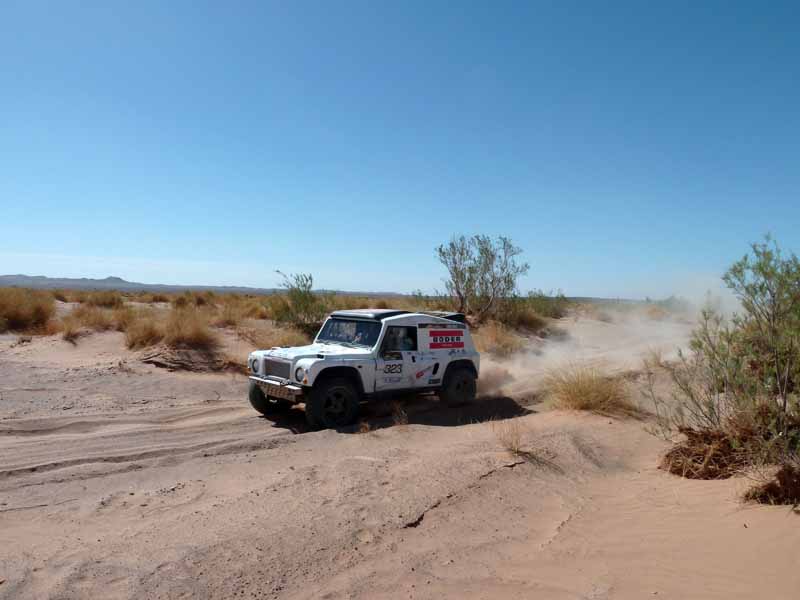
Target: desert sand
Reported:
point(122, 480)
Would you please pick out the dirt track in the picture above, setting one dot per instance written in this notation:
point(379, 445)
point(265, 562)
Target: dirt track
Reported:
point(158, 484)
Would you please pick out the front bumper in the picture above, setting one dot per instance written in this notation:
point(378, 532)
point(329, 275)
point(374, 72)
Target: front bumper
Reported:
point(278, 389)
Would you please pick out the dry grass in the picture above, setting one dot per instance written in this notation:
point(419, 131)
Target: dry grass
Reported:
point(25, 310)
point(585, 388)
point(235, 309)
point(104, 299)
point(91, 317)
point(520, 315)
point(782, 487)
point(271, 336)
point(705, 454)
point(143, 332)
point(70, 329)
point(509, 433)
point(496, 338)
point(189, 329)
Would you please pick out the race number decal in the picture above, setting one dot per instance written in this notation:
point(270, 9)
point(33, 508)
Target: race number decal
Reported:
point(446, 338)
point(396, 368)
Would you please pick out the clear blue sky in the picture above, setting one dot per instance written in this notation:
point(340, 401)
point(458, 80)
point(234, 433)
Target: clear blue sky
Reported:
point(630, 148)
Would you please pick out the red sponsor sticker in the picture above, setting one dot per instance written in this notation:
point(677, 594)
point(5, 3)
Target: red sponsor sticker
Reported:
point(446, 338)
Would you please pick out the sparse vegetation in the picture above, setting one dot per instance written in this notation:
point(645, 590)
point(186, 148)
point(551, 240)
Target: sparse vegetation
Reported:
point(781, 487)
point(25, 310)
point(105, 299)
point(736, 391)
point(70, 329)
point(509, 433)
point(495, 338)
point(189, 329)
point(270, 337)
point(143, 332)
point(586, 388)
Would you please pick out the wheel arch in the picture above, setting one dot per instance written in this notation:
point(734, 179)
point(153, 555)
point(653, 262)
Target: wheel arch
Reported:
point(346, 372)
point(462, 363)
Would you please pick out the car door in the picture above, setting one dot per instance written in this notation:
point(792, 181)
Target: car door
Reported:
point(397, 358)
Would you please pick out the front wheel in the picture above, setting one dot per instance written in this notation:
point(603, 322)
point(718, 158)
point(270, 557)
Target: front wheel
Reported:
point(332, 403)
point(264, 405)
point(459, 387)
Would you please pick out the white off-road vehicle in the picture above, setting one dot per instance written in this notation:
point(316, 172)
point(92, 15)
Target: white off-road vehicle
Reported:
point(359, 354)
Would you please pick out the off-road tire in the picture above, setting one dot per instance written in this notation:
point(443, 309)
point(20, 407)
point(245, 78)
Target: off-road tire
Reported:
point(332, 403)
point(459, 387)
point(264, 405)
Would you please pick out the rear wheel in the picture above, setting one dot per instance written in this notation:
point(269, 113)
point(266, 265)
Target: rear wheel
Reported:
point(459, 387)
point(332, 403)
point(265, 405)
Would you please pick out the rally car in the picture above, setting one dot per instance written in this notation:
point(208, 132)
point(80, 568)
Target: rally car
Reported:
point(360, 354)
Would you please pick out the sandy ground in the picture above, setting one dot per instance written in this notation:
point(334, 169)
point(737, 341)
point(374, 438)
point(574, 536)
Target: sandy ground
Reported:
point(120, 480)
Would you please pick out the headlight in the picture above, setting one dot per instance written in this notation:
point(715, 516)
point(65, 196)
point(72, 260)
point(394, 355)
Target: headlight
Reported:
point(299, 373)
point(254, 365)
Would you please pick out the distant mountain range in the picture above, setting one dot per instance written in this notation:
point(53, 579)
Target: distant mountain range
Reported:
point(121, 285)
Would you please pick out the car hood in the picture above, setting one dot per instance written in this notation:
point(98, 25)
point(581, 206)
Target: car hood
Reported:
point(318, 350)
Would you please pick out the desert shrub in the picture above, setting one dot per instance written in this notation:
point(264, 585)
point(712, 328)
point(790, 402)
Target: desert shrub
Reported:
point(705, 454)
point(154, 298)
point(495, 338)
point(94, 318)
point(143, 332)
point(189, 329)
point(70, 329)
point(302, 308)
point(234, 309)
point(782, 487)
point(586, 388)
point(517, 313)
point(482, 272)
point(270, 337)
point(24, 309)
point(105, 299)
point(60, 295)
point(553, 305)
point(421, 301)
point(510, 434)
point(122, 317)
point(182, 301)
point(737, 386)
point(346, 302)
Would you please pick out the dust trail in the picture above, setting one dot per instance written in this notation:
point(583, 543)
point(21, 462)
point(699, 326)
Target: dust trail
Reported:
point(615, 342)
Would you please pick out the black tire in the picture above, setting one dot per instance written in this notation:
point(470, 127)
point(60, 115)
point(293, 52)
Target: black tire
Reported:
point(332, 403)
point(264, 405)
point(459, 387)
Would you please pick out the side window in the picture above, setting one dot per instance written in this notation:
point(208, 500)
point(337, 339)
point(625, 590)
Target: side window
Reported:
point(400, 339)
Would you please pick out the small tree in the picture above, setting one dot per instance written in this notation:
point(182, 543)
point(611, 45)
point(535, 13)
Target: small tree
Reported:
point(303, 308)
point(768, 286)
point(482, 271)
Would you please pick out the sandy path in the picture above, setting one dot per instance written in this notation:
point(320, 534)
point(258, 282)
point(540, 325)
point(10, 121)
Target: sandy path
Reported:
point(192, 494)
point(419, 511)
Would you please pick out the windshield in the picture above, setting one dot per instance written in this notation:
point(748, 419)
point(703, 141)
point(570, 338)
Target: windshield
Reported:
point(350, 332)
